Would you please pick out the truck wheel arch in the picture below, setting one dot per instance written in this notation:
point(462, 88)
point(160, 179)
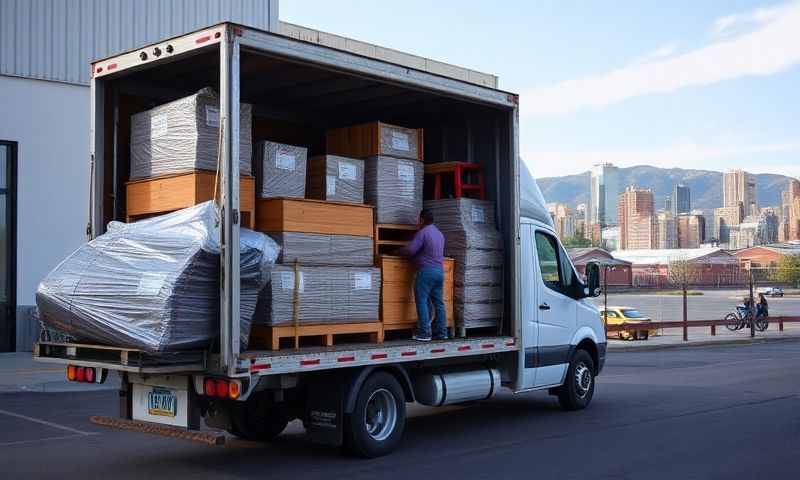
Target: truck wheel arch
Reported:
point(360, 377)
point(590, 347)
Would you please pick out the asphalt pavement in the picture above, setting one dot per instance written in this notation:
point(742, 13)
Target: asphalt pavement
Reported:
point(712, 305)
point(694, 413)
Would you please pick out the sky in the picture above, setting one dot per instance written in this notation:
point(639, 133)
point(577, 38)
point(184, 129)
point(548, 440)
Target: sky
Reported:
point(707, 85)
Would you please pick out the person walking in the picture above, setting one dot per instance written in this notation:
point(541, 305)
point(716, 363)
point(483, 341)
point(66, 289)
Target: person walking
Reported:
point(426, 250)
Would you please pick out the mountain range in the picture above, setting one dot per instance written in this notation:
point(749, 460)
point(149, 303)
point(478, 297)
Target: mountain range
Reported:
point(705, 186)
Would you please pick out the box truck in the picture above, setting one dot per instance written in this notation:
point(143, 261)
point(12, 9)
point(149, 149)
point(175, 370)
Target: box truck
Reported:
point(550, 336)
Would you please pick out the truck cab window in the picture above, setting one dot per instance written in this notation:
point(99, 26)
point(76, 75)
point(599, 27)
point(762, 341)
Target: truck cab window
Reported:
point(556, 269)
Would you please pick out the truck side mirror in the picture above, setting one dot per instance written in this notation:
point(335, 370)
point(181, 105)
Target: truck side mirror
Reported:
point(592, 280)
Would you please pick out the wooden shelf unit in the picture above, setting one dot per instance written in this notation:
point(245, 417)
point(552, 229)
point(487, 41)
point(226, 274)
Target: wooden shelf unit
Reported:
point(398, 306)
point(390, 236)
point(314, 216)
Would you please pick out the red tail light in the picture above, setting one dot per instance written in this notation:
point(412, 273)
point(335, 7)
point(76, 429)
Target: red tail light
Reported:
point(209, 387)
point(89, 375)
point(71, 373)
point(222, 388)
point(80, 374)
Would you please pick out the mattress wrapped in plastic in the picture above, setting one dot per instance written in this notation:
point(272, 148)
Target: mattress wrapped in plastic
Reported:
point(280, 170)
point(322, 249)
point(320, 295)
point(154, 284)
point(183, 135)
point(471, 238)
point(394, 187)
point(336, 179)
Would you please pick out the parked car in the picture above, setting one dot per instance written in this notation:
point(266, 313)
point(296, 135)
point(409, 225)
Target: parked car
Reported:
point(619, 315)
point(771, 291)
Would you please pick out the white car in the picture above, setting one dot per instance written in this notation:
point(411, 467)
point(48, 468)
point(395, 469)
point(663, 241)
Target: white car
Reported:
point(771, 291)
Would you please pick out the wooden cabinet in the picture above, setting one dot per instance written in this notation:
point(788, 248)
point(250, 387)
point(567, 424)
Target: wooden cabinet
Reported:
point(398, 307)
point(313, 216)
point(160, 195)
point(375, 138)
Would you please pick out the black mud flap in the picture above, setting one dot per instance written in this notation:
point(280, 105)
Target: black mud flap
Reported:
point(324, 420)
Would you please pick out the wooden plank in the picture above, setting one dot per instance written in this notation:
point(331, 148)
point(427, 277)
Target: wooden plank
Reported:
point(397, 290)
point(271, 335)
point(314, 216)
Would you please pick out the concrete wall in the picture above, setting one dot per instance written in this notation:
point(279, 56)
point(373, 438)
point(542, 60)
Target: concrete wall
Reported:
point(50, 122)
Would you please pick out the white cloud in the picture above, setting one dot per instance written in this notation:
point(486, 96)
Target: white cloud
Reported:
point(736, 22)
point(686, 154)
point(661, 52)
point(772, 47)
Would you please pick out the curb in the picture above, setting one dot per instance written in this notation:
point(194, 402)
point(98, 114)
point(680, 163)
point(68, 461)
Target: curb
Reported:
point(703, 343)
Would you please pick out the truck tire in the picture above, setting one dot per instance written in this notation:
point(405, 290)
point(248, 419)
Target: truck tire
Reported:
point(578, 388)
point(257, 419)
point(376, 425)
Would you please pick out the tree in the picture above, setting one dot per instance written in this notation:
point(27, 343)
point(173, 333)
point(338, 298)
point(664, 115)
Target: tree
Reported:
point(683, 273)
point(576, 242)
point(789, 270)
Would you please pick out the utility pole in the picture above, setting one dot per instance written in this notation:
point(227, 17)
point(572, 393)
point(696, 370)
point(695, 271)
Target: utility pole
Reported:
point(752, 308)
point(685, 313)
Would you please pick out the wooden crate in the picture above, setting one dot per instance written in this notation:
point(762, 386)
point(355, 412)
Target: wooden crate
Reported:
point(398, 307)
point(375, 138)
point(389, 237)
point(270, 337)
point(313, 216)
point(154, 196)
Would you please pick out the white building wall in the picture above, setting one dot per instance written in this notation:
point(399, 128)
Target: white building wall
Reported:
point(50, 122)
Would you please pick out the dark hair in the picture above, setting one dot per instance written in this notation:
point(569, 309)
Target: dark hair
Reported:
point(426, 216)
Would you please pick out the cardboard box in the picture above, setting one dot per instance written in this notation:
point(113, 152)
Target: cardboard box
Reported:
point(335, 178)
point(280, 170)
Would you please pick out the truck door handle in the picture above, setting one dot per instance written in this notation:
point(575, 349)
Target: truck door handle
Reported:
point(544, 306)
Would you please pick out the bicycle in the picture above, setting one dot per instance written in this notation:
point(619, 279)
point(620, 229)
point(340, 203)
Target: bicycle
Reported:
point(743, 318)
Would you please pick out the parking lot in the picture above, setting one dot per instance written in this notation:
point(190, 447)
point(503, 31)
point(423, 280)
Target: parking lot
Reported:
point(710, 412)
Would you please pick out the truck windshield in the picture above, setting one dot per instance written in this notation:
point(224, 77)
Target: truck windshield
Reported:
point(632, 314)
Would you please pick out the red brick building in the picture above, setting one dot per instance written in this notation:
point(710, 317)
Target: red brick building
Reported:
point(619, 271)
point(765, 255)
point(650, 268)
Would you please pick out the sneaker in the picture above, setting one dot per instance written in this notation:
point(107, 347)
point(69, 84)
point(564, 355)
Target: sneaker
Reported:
point(421, 338)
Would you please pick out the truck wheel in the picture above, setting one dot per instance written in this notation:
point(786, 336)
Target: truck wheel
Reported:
point(376, 425)
point(257, 419)
point(578, 388)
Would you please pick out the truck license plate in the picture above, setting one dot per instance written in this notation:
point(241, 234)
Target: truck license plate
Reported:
point(162, 402)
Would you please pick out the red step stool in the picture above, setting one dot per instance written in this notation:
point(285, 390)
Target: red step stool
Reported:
point(457, 169)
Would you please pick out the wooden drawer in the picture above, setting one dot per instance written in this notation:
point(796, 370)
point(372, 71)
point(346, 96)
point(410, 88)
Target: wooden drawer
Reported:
point(313, 216)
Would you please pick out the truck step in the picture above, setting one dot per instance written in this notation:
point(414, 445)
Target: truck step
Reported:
point(329, 334)
point(209, 438)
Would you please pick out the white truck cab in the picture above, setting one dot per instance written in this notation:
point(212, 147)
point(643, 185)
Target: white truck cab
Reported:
point(557, 319)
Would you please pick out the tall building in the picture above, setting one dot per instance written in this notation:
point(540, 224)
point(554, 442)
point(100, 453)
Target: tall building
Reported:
point(789, 227)
point(681, 199)
point(666, 230)
point(708, 220)
point(563, 219)
point(637, 221)
point(739, 186)
point(603, 191)
point(724, 219)
point(691, 230)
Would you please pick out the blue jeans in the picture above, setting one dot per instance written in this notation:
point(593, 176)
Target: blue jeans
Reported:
point(428, 287)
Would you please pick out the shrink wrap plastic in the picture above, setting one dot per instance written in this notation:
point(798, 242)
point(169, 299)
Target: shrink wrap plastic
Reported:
point(324, 295)
point(320, 249)
point(394, 187)
point(183, 135)
point(154, 284)
point(471, 238)
point(280, 170)
point(336, 179)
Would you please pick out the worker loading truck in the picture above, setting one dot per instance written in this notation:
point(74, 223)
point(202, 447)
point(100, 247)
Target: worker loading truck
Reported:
point(249, 193)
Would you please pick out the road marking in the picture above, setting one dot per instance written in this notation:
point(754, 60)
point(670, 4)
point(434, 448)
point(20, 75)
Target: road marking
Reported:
point(45, 422)
point(46, 439)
